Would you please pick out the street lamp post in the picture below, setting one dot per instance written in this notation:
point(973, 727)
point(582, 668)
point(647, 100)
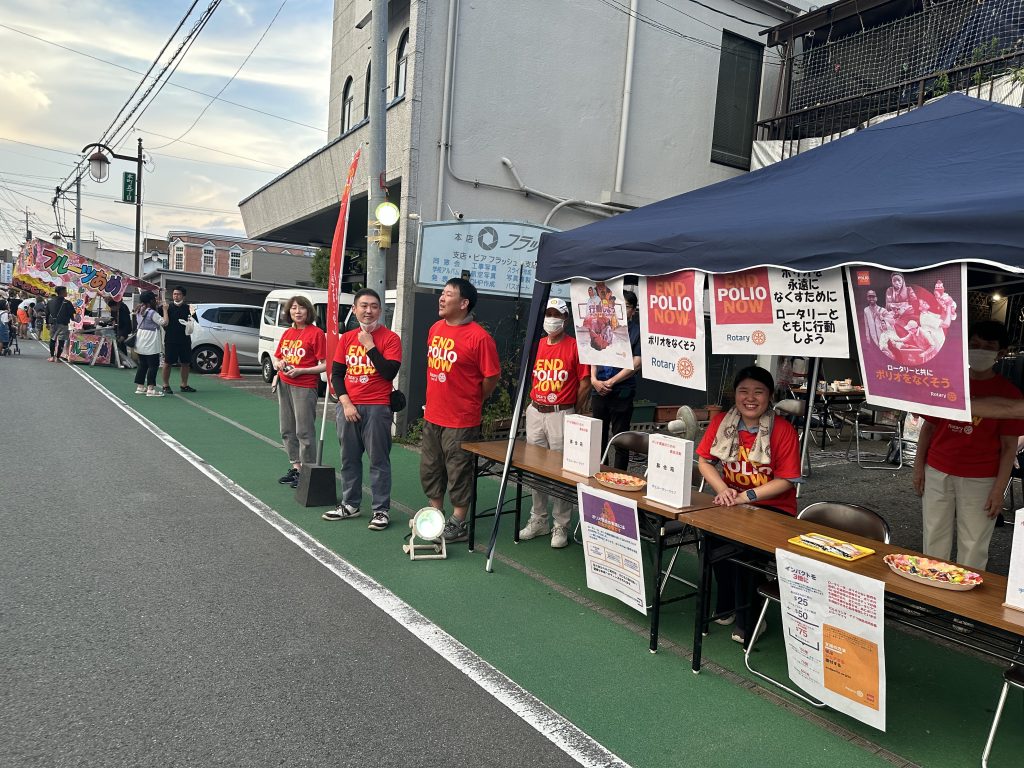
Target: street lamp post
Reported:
point(99, 171)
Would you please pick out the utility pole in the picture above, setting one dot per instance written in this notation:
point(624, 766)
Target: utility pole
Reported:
point(376, 256)
point(78, 213)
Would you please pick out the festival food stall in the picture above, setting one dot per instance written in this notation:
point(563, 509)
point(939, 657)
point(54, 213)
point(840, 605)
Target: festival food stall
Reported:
point(43, 266)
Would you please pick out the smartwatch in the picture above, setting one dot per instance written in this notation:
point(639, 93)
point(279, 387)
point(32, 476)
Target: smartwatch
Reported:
point(751, 495)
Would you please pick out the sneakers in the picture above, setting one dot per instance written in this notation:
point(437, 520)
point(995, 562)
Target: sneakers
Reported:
point(343, 511)
point(292, 478)
point(455, 530)
point(154, 392)
point(559, 537)
point(187, 388)
point(167, 391)
point(379, 521)
point(140, 389)
point(536, 526)
point(726, 620)
point(738, 635)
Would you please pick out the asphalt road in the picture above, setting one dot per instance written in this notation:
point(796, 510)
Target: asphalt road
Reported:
point(148, 618)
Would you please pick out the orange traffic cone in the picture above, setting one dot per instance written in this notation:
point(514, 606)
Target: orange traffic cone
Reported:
point(224, 362)
point(233, 364)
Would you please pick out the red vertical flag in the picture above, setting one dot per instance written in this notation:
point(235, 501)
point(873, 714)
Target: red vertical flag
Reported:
point(338, 265)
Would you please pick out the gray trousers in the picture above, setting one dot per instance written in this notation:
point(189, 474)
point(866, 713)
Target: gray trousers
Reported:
point(297, 413)
point(547, 430)
point(372, 434)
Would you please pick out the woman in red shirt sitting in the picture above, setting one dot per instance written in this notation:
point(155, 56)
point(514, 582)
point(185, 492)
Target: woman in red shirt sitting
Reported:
point(300, 358)
point(747, 456)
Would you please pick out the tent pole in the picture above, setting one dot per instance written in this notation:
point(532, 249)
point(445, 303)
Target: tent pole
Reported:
point(538, 302)
point(812, 389)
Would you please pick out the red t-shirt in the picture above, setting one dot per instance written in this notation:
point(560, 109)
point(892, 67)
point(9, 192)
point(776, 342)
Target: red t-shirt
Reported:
point(303, 348)
point(557, 373)
point(459, 357)
point(744, 474)
point(363, 384)
point(972, 449)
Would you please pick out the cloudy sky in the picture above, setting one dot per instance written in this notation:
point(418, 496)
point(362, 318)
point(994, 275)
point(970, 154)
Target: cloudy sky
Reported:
point(67, 67)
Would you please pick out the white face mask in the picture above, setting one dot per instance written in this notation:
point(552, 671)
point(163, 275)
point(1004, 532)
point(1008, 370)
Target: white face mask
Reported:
point(370, 328)
point(553, 325)
point(178, 303)
point(981, 359)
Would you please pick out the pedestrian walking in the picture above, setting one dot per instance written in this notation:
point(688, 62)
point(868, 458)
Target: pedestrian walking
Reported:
point(148, 343)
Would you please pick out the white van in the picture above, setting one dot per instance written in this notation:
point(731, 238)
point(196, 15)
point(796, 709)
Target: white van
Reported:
point(275, 319)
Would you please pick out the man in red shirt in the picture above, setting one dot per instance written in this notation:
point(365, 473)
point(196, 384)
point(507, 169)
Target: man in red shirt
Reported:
point(366, 361)
point(961, 469)
point(559, 383)
point(462, 372)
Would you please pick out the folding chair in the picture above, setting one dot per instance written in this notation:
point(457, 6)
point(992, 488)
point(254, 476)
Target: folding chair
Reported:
point(867, 424)
point(851, 518)
point(1013, 676)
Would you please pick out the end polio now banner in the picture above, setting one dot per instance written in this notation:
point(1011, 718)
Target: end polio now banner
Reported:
point(672, 328)
point(770, 311)
point(912, 338)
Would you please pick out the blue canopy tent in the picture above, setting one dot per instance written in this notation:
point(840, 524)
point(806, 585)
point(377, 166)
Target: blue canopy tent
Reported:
point(942, 183)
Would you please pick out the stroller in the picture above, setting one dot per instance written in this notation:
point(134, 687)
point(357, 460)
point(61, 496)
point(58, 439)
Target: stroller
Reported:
point(12, 347)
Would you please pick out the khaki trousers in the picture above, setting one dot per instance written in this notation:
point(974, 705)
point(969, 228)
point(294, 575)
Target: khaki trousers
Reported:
point(948, 497)
point(547, 430)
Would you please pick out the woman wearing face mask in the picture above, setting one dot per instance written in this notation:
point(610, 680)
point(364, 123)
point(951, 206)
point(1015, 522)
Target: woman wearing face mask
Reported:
point(560, 383)
point(962, 468)
point(300, 358)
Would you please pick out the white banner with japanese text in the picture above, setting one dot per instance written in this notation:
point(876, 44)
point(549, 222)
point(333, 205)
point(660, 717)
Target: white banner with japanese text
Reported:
point(834, 628)
point(611, 546)
point(770, 311)
point(672, 328)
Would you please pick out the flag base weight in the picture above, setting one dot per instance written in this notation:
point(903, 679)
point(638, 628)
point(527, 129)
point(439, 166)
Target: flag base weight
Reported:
point(317, 486)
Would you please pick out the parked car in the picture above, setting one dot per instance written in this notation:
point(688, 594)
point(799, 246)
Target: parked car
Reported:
point(218, 325)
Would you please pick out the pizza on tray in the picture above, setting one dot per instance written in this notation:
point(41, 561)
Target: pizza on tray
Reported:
point(620, 480)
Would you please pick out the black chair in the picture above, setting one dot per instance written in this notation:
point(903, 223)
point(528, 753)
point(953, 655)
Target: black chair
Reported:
point(1014, 676)
point(851, 518)
point(869, 422)
point(637, 443)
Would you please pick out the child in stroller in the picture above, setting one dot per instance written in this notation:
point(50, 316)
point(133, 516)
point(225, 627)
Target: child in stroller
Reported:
point(8, 331)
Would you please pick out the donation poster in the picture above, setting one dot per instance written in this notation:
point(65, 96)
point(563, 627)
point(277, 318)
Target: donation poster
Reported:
point(599, 312)
point(834, 628)
point(611, 546)
point(770, 311)
point(672, 328)
point(911, 338)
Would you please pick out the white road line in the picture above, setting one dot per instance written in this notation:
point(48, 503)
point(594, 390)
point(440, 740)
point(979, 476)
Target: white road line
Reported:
point(548, 723)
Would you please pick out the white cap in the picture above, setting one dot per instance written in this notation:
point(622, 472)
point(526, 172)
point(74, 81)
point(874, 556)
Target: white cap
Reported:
point(559, 304)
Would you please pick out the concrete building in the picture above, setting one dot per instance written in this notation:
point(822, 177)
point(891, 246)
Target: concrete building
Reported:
point(551, 113)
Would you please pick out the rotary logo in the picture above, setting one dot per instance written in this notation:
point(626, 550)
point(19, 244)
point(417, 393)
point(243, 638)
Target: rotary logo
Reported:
point(442, 378)
point(552, 397)
point(952, 397)
point(684, 367)
point(363, 379)
point(968, 429)
point(758, 337)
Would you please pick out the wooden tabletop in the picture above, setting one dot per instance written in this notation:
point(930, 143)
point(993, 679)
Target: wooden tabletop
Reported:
point(767, 531)
point(548, 464)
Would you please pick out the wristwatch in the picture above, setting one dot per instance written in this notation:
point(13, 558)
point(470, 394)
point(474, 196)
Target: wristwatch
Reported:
point(751, 495)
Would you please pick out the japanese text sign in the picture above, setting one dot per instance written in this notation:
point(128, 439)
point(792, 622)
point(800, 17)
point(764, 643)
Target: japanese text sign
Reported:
point(43, 266)
point(672, 328)
point(581, 445)
point(912, 339)
point(670, 470)
point(611, 546)
point(833, 622)
point(770, 311)
point(1015, 579)
point(500, 257)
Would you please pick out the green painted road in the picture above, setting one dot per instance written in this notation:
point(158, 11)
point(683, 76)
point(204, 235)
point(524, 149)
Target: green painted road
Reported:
point(585, 655)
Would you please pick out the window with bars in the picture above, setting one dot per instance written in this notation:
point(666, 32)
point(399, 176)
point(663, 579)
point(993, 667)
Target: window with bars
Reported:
point(401, 64)
point(346, 107)
point(209, 257)
point(739, 88)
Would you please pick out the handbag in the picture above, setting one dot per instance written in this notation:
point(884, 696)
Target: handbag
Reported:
point(397, 400)
point(190, 326)
point(130, 341)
